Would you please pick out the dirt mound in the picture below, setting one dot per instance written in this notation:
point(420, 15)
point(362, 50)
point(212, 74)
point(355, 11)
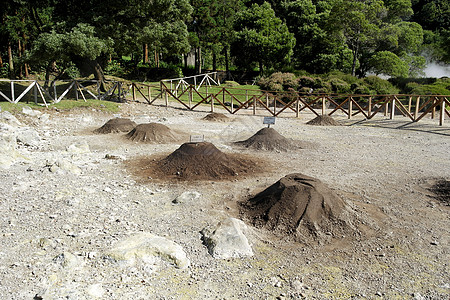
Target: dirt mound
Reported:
point(323, 121)
point(203, 161)
point(217, 117)
point(153, 133)
point(268, 139)
point(299, 206)
point(116, 125)
point(441, 190)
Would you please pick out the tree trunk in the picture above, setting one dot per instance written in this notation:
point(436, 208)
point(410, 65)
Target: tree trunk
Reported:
point(1, 61)
point(145, 59)
point(199, 57)
point(10, 60)
point(98, 74)
point(19, 46)
point(214, 61)
point(227, 63)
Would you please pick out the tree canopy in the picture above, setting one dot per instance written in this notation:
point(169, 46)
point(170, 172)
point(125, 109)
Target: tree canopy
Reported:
point(393, 37)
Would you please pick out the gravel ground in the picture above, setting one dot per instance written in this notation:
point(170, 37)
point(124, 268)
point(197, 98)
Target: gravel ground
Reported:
point(382, 168)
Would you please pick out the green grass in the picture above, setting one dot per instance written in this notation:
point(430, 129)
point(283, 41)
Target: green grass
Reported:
point(102, 105)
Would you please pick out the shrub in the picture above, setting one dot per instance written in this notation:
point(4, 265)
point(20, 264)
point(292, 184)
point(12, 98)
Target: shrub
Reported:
point(339, 86)
point(380, 86)
point(278, 82)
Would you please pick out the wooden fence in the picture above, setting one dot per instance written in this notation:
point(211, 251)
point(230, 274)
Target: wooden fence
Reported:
point(233, 100)
point(15, 90)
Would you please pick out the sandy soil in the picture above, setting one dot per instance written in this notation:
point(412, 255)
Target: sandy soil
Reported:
point(382, 168)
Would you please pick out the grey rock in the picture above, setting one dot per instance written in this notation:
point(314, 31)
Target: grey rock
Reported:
point(26, 110)
point(9, 118)
point(187, 197)
point(28, 137)
point(228, 240)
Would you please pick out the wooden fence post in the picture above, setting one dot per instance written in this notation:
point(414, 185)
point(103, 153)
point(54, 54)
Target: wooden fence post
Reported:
point(254, 106)
point(12, 92)
point(386, 108)
point(433, 110)
point(392, 108)
point(54, 90)
point(35, 92)
point(369, 108)
point(149, 93)
point(442, 112)
point(267, 100)
point(297, 107)
point(133, 91)
point(190, 97)
point(350, 108)
point(232, 102)
point(246, 97)
point(409, 103)
point(416, 110)
point(323, 106)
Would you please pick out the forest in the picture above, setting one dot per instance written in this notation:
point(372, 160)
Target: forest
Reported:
point(62, 39)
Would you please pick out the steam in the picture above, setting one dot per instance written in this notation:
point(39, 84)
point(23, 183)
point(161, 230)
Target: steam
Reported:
point(434, 69)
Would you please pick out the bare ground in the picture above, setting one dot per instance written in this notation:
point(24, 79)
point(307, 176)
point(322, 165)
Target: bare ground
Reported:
point(382, 168)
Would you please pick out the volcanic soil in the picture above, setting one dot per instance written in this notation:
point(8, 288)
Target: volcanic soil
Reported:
point(72, 195)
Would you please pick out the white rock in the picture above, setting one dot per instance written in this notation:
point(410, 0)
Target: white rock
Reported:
point(146, 247)
point(28, 137)
point(228, 240)
point(26, 110)
point(8, 152)
point(187, 197)
point(9, 118)
point(64, 166)
point(67, 260)
point(95, 290)
point(79, 148)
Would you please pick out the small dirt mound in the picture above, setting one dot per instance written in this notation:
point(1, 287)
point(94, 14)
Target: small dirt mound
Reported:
point(153, 133)
point(441, 190)
point(299, 206)
point(203, 161)
point(216, 117)
point(116, 125)
point(323, 121)
point(268, 139)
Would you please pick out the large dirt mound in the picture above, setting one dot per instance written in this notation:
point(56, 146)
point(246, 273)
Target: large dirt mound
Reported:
point(268, 139)
point(299, 206)
point(116, 125)
point(153, 133)
point(216, 117)
point(203, 161)
point(441, 190)
point(323, 121)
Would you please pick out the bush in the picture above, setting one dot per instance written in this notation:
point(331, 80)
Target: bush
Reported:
point(380, 86)
point(278, 82)
point(440, 87)
point(339, 86)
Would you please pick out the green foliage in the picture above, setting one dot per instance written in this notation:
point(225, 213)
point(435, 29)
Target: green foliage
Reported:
point(279, 82)
point(439, 87)
point(381, 86)
point(386, 62)
point(261, 38)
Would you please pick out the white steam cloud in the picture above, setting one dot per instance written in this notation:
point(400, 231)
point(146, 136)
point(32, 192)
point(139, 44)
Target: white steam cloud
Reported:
point(433, 69)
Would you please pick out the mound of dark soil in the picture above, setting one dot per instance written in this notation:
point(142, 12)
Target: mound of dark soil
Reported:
point(116, 125)
point(268, 139)
point(299, 206)
point(153, 133)
point(216, 117)
point(323, 121)
point(441, 190)
point(203, 161)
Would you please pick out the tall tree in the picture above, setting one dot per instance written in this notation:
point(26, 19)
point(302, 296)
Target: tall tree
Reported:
point(261, 38)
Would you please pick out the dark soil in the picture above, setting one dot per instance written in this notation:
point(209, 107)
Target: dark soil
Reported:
point(441, 190)
point(299, 206)
point(116, 125)
point(153, 133)
point(216, 117)
point(200, 161)
point(268, 139)
point(323, 121)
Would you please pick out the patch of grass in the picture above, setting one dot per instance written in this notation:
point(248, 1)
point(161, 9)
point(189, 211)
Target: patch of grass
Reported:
point(102, 105)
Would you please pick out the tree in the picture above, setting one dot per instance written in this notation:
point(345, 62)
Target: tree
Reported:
point(386, 62)
point(261, 38)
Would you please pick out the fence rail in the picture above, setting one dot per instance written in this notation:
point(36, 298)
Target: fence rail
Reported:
point(234, 100)
point(38, 91)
